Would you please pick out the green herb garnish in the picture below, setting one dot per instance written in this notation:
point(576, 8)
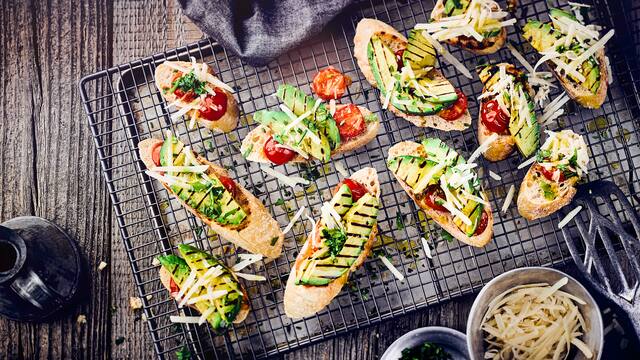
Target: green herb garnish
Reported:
point(188, 83)
point(184, 353)
point(334, 239)
point(426, 351)
point(446, 236)
point(542, 155)
point(399, 222)
point(279, 202)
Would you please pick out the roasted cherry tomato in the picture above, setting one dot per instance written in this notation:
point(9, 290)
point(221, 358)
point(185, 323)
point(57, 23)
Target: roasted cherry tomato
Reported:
point(189, 96)
point(276, 154)
point(214, 106)
point(330, 83)
point(432, 196)
point(549, 173)
point(228, 183)
point(493, 117)
point(173, 287)
point(482, 225)
point(357, 190)
point(399, 58)
point(350, 121)
point(155, 154)
point(457, 109)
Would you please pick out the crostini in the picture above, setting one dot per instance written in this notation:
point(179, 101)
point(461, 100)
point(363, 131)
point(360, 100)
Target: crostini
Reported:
point(197, 93)
point(403, 70)
point(574, 53)
point(339, 243)
point(507, 110)
point(550, 182)
point(201, 281)
point(207, 191)
point(445, 186)
point(306, 130)
point(478, 26)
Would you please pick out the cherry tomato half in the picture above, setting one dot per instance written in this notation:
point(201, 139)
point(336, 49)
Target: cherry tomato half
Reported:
point(399, 58)
point(155, 154)
point(357, 190)
point(350, 121)
point(548, 173)
point(432, 196)
point(276, 154)
point(214, 106)
point(189, 96)
point(493, 117)
point(173, 288)
point(457, 109)
point(330, 83)
point(228, 183)
point(482, 225)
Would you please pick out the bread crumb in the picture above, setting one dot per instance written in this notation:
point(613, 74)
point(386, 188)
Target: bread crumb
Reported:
point(155, 262)
point(143, 317)
point(135, 302)
point(149, 297)
point(82, 319)
point(102, 265)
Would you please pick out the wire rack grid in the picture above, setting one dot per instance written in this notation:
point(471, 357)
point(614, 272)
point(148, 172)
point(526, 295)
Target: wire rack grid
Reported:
point(124, 107)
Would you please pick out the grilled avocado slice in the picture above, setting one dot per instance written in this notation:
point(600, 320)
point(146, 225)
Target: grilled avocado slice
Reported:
point(473, 211)
point(322, 268)
point(342, 200)
point(419, 53)
point(455, 7)
point(525, 133)
point(415, 171)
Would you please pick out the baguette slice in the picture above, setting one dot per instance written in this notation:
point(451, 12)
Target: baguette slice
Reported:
point(531, 201)
point(302, 300)
point(252, 147)
point(444, 219)
point(255, 234)
point(484, 47)
point(500, 148)
point(364, 31)
point(580, 94)
point(164, 75)
point(165, 279)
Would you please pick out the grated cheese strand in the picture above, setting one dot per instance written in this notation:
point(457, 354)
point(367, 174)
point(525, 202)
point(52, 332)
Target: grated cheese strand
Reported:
point(391, 268)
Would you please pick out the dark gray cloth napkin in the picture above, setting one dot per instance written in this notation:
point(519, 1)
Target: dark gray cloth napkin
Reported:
point(259, 31)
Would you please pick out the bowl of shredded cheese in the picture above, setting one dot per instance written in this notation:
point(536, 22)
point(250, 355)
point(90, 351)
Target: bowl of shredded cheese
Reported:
point(534, 313)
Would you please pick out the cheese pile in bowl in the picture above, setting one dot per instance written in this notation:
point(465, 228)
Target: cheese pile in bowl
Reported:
point(534, 321)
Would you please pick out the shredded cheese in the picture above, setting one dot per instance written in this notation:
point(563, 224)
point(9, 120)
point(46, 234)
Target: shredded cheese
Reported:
point(185, 319)
point(508, 199)
point(251, 277)
point(447, 56)
point(341, 169)
point(246, 260)
point(290, 181)
point(527, 162)
point(482, 148)
point(391, 268)
point(181, 169)
point(427, 249)
point(569, 217)
point(208, 296)
point(495, 176)
point(332, 106)
point(293, 220)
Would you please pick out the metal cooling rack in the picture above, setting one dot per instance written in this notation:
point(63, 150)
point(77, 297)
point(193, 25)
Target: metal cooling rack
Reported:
point(124, 107)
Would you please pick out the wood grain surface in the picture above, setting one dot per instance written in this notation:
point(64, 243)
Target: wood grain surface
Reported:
point(49, 168)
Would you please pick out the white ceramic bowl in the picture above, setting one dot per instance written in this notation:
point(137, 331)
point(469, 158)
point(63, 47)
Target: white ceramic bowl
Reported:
point(452, 341)
point(593, 337)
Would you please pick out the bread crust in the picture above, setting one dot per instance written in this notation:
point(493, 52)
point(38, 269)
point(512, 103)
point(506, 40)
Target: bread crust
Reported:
point(581, 95)
point(485, 47)
point(364, 31)
point(532, 205)
point(257, 230)
point(302, 300)
point(444, 219)
point(252, 147)
point(165, 279)
point(163, 76)
point(498, 150)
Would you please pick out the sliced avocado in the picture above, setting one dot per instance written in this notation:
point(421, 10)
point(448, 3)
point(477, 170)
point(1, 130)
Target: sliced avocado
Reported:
point(591, 72)
point(358, 224)
point(526, 134)
point(473, 211)
point(176, 147)
point(419, 52)
point(455, 7)
point(342, 200)
point(382, 61)
point(437, 151)
point(440, 89)
point(299, 103)
point(415, 171)
point(541, 36)
point(176, 266)
point(557, 13)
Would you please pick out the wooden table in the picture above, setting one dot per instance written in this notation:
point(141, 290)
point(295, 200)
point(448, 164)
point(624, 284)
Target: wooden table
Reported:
point(49, 168)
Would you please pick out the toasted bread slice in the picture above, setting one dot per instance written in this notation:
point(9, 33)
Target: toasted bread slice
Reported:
point(256, 233)
point(252, 147)
point(444, 219)
point(303, 300)
point(165, 279)
point(364, 31)
point(498, 150)
point(579, 93)
point(531, 201)
point(484, 47)
point(164, 75)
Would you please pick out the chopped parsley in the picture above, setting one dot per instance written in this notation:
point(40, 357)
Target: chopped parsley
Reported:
point(426, 351)
point(399, 222)
point(446, 236)
point(371, 118)
point(548, 193)
point(212, 209)
point(188, 83)
point(273, 241)
point(279, 202)
point(543, 154)
point(335, 239)
point(184, 353)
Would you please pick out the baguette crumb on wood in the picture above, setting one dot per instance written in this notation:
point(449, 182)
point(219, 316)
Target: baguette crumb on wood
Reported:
point(364, 31)
point(302, 300)
point(444, 219)
point(257, 230)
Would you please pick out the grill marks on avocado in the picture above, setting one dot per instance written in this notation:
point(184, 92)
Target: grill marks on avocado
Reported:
point(208, 197)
